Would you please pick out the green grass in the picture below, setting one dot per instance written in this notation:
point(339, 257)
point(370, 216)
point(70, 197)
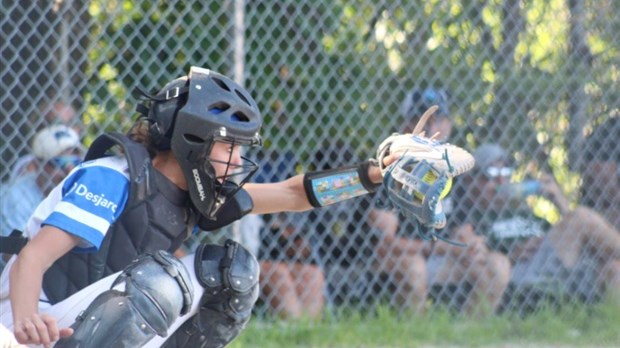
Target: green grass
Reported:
point(571, 326)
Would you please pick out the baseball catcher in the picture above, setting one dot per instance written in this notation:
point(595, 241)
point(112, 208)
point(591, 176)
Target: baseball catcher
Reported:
point(97, 268)
point(422, 177)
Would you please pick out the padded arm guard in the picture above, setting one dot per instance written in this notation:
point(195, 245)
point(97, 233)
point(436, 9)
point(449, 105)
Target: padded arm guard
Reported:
point(334, 185)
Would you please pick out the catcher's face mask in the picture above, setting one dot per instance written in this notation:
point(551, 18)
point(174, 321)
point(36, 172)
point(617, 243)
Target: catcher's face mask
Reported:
point(218, 111)
point(230, 170)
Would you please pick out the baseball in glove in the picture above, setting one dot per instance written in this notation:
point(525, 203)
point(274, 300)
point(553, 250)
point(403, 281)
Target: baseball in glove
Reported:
point(422, 176)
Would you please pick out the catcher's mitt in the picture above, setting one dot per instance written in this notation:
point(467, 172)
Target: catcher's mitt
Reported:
point(418, 181)
point(447, 158)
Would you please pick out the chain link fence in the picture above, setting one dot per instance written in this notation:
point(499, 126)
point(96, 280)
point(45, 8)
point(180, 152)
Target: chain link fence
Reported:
point(538, 78)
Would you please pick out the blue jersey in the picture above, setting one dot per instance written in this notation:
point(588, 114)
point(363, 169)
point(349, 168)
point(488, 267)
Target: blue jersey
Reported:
point(89, 200)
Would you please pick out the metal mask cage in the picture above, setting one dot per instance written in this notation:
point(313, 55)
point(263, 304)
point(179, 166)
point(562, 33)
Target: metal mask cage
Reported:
point(235, 176)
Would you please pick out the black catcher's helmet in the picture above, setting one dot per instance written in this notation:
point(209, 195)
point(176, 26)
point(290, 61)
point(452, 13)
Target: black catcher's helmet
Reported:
point(188, 116)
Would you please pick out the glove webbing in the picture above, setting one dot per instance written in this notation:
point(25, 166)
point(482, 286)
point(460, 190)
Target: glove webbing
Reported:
point(430, 233)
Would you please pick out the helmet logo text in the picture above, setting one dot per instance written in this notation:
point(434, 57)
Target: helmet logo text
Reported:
point(201, 190)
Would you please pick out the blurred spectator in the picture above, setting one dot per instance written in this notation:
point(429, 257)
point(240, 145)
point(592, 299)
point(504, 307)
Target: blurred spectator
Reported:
point(54, 114)
point(61, 113)
point(417, 101)
point(465, 278)
point(566, 259)
point(56, 151)
point(600, 189)
point(292, 283)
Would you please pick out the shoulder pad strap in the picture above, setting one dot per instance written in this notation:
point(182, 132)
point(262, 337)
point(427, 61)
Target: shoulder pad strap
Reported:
point(138, 160)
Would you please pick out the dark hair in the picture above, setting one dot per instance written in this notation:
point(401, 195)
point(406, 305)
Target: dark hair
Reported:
point(140, 133)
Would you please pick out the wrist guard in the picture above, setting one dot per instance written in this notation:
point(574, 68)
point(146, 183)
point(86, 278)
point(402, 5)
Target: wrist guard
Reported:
point(330, 186)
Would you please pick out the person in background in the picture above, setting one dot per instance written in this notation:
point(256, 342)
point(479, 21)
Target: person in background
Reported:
point(58, 113)
point(417, 101)
point(600, 188)
point(575, 257)
point(345, 237)
point(466, 278)
point(62, 113)
point(55, 150)
point(292, 283)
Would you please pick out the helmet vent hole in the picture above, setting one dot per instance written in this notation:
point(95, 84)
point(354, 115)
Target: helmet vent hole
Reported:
point(193, 139)
point(243, 97)
point(219, 108)
point(239, 117)
point(221, 84)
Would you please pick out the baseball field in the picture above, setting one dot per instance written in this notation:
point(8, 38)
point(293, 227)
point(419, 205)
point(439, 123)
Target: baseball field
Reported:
point(574, 326)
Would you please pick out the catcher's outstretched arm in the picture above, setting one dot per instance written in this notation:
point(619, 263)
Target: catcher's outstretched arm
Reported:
point(305, 191)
